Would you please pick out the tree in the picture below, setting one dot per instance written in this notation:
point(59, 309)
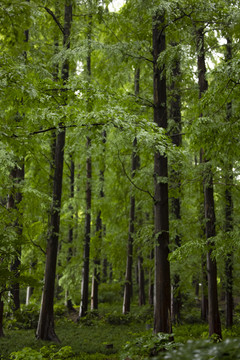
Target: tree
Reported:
point(162, 286)
point(45, 329)
point(213, 312)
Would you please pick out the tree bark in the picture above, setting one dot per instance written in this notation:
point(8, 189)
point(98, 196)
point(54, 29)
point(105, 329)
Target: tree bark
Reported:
point(213, 311)
point(70, 231)
point(1, 316)
point(175, 114)
point(162, 285)
point(45, 329)
point(14, 199)
point(85, 269)
point(141, 282)
point(229, 305)
point(151, 282)
point(99, 232)
point(135, 165)
point(128, 275)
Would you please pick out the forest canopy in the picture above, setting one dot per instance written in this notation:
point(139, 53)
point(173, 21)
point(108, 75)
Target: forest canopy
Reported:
point(119, 143)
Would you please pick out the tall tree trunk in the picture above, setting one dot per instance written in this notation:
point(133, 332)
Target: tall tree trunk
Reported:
point(229, 221)
point(99, 232)
point(204, 295)
point(70, 231)
point(150, 281)
point(128, 275)
point(135, 165)
point(175, 114)
point(85, 270)
point(1, 316)
point(141, 281)
point(213, 311)
point(14, 200)
point(45, 329)
point(162, 285)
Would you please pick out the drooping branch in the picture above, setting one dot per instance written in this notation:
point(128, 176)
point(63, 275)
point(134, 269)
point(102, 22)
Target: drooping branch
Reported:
point(131, 181)
point(54, 18)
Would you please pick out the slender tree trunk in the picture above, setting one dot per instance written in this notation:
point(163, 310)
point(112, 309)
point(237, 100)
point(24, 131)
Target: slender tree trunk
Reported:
point(213, 312)
point(45, 329)
point(70, 231)
point(85, 269)
point(204, 295)
point(99, 232)
point(141, 281)
point(175, 114)
point(135, 166)
point(229, 221)
point(162, 285)
point(14, 199)
point(1, 316)
point(150, 281)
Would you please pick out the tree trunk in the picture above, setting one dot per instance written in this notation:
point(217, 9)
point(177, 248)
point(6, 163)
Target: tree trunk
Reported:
point(162, 285)
point(175, 115)
point(45, 329)
point(70, 231)
point(204, 295)
point(99, 232)
point(141, 281)
point(213, 312)
point(151, 282)
point(14, 199)
point(135, 165)
point(85, 269)
point(1, 316)
point(229, 220)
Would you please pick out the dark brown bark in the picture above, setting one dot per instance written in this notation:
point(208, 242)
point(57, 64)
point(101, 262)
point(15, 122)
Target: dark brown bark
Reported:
point(99, 232)
point(128, 275)
point(162, 286)
point(175, 114)
point(213, 311)
point(85, 269)
point(70, 231)
point(1, 316)
point(229, 304)
point(45, 329)
point(151, 282)
point(141, 282)
point(14, 199)
point(204, 294)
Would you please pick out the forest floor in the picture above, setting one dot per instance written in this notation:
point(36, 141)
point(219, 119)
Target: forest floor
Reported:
point(98, 336)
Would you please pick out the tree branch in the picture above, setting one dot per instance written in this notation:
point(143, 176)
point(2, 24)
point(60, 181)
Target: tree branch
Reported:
point(129, 178)
point(54, 18)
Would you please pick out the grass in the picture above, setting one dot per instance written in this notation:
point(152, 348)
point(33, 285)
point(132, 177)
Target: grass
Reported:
point(105, 334)
point(102, 335)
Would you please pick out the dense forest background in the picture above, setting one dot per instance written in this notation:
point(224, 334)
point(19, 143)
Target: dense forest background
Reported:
point(119, 159)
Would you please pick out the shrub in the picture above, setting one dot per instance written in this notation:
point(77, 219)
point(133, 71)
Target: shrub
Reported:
point(147, 345)
point(46, 352)
point(24, 318)
point(108, 293)
point(205, 350)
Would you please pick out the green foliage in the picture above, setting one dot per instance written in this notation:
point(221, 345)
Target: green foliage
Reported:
point(109, 292)
point(147, 345)
point(228, 349)
point(24, 318)
point(46, 352)
point(26, 353)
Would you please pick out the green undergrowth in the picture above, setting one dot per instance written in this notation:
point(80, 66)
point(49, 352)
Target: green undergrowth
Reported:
point(109, 335)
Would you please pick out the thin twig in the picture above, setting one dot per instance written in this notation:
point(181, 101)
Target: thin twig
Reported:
point(129, 178)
